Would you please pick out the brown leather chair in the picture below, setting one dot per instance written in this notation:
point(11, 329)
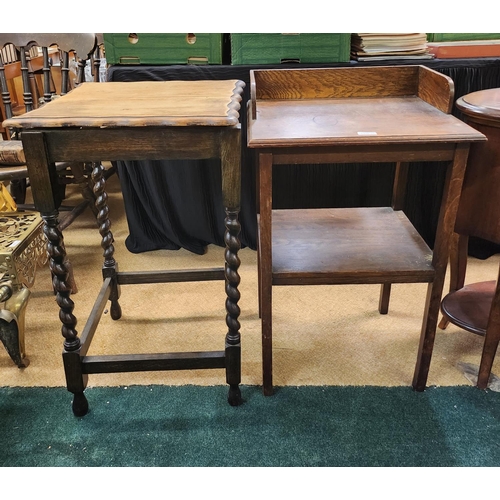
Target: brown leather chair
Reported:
point(476, 307)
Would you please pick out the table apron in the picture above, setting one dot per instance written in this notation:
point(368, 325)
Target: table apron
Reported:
point(361, 154)
point(135, 144)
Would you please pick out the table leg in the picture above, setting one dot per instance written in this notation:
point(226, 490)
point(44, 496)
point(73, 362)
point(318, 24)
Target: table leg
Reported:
point(441, 252)
point(398, 197)
point(233, 341)
point(110, 266)
point(266, 269)
point(76, 381)
point(230, 155)
point(45, 189)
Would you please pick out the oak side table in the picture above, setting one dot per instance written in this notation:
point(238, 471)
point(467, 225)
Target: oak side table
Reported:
point(134, 121)
point(397, 114)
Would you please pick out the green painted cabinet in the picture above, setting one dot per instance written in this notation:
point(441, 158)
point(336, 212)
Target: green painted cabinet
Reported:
point(164, 48)
point(277, 48)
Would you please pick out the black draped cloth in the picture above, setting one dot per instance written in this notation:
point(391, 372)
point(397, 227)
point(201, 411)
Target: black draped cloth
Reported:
point(174, 204)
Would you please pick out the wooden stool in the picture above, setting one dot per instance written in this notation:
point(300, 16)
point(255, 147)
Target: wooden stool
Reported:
point(476, 307)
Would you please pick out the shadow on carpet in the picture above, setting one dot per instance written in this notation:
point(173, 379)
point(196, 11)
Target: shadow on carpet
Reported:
point(148, 426)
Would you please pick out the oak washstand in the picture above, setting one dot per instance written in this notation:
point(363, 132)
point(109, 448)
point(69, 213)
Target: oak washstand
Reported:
point(395, 114)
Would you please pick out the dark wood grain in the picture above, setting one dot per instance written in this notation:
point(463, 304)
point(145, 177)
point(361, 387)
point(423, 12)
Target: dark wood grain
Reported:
point(355, 121)
point(174, 276)
point(146, 142)
point(230, 150)
point(399, 186)
point(176, 103)
point(153, 362)
point(342, 83)
point(347, 245)
point(436, 90)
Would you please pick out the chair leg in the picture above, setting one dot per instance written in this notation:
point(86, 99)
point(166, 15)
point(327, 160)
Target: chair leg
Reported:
point(70, 216)
point(17, 190)
point(71, 277)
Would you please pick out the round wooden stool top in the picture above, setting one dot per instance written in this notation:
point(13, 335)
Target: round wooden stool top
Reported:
point(482, 106)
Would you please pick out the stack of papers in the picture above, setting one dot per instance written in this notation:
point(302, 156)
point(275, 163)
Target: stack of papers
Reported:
point(383, 46)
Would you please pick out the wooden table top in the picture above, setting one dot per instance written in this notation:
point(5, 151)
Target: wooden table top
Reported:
point(353, 121)
point(140, 104)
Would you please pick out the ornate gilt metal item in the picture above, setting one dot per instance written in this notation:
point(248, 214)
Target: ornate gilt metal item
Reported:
point(22, 250)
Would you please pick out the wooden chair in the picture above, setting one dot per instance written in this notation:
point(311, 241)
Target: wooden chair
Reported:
point(19, 261)
point(476, 307)
point(38, 78)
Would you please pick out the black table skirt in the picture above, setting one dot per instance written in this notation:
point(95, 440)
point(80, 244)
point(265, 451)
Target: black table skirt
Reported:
point(178, 204)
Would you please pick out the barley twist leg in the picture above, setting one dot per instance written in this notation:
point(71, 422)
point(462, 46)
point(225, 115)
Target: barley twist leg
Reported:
point(233, 341)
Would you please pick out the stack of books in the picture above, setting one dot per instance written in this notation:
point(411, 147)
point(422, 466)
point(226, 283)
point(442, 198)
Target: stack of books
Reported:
point(386, 46)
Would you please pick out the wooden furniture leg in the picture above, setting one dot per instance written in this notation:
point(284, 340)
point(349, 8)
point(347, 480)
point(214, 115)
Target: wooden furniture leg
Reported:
point(266, 268)
point(458, 267)
point(43, 173)
point(398, 196)
point(385, 295)
point(110, 266)
point(231, 193)
point(491, 340)
point(447, 215)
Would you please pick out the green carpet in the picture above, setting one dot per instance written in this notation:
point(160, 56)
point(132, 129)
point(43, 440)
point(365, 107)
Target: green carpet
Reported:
point(149, 426)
